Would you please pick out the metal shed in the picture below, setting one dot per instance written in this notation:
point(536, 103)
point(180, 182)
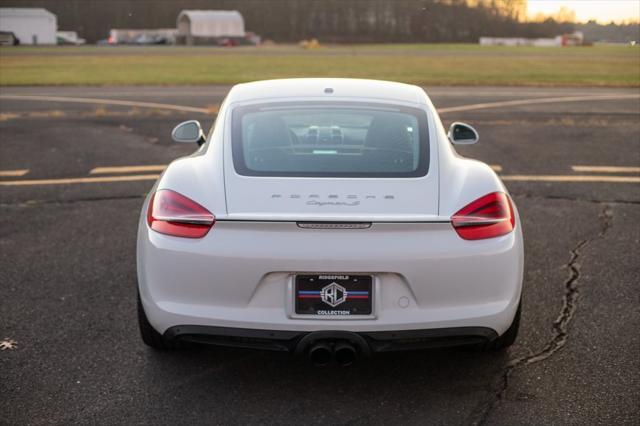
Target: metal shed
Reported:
point(30, 25)
point(205, 26)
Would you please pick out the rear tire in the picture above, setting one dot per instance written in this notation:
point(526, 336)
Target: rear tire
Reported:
point(149, 335)
point(508, 338)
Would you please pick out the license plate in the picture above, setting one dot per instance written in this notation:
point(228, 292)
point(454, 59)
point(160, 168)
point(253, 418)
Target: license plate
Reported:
point(333, 295)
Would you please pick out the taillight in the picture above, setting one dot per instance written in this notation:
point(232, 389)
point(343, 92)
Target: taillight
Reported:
point(487, 217)
point(174, 214)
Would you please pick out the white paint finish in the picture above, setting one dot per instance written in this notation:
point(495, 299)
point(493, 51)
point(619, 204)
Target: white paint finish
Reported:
point(201, 176)
point(30, 25)
point(350, 89)
point(464, 180)
point(237, 276)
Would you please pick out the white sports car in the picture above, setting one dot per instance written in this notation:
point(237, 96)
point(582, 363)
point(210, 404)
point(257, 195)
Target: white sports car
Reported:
point(330, 218)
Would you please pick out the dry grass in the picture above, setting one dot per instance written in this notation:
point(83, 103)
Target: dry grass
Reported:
point(418, 64)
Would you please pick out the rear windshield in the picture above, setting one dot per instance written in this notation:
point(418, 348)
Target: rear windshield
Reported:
point(330, 140)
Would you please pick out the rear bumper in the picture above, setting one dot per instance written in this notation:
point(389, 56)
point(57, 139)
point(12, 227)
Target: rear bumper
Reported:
point(240, 277)
point(294, 341)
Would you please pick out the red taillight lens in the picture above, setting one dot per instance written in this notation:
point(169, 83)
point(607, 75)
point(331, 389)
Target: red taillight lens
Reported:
point(174, 214)
point(487, 217)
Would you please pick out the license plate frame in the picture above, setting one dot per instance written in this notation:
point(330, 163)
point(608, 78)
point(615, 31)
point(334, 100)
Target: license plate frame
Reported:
point(333, 296)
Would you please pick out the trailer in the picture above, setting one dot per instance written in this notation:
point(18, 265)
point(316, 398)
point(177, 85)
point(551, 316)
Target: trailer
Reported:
point(29, 25)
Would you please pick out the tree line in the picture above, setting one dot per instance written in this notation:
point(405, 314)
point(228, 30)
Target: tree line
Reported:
point(335, 21)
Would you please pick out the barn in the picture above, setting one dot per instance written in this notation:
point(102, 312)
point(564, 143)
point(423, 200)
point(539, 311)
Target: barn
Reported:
point(209, 26)
point(29, 25)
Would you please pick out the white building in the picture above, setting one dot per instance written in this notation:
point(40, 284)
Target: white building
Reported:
point(30, 25)
point(204, 26)
point(574, 39)
point(142, 36)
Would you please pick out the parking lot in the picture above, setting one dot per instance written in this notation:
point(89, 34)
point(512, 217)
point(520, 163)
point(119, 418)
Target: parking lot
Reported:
point(76, 163)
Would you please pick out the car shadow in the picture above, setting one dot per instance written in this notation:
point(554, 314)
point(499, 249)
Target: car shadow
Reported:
point(257, 386)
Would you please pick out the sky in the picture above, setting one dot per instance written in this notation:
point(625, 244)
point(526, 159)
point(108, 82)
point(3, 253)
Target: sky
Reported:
point(601, 10)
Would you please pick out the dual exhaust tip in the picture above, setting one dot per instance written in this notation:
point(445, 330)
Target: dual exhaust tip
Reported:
point(322, 354)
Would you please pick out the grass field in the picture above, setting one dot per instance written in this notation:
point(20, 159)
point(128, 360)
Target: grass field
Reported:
point(424, 64)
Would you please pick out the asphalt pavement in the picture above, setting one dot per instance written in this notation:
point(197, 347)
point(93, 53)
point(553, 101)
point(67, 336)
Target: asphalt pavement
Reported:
point(75, 164)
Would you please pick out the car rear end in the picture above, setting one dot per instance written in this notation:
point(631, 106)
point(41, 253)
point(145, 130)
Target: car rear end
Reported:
point(331, 232)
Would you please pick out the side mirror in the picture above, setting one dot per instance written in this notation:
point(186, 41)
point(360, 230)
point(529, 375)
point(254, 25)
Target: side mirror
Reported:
point(462, 134)
point(188, 132)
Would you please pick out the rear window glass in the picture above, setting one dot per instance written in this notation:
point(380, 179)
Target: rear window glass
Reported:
point(330, 140)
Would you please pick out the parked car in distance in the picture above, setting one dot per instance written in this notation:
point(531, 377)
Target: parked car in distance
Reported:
point(8, 38)
point(69, 38)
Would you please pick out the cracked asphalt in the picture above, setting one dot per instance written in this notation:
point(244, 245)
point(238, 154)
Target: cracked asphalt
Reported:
point(67, 280)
